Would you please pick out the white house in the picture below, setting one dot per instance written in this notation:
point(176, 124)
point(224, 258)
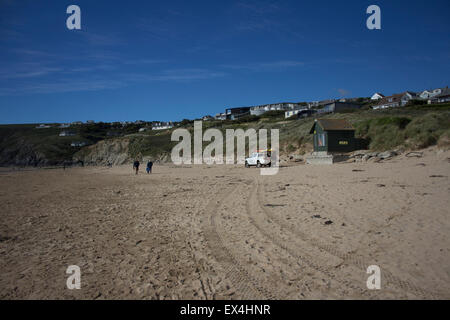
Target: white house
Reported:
point(377, 96)
point(396, 100)
point(78, 144)
point(444, 96)
point(428, 94)
point(259, 110)
point(291, 113)
point(43, 126)
point(207, 118)
point(67, 133)
point(315, 104)
point(220, 116)
point(162, 125)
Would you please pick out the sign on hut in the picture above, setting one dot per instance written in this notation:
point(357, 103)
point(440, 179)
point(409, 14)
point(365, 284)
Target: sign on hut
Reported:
point(333, 136)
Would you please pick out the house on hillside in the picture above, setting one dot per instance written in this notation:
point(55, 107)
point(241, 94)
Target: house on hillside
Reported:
point(259, 110)
point(336, 107)
point(67, 133)
point(388, 102)
point(220, 116)
point(294, 112)
point(237, 113)
point(322, 103)
point(444, 96)
point(207, 118)
point(126, 123)
point(162, 125)
point(299, 114)
point(43, 126)
point(64, 125)
point(429, 94)
point(396, 100)
point(78, 144)
point(377, 96)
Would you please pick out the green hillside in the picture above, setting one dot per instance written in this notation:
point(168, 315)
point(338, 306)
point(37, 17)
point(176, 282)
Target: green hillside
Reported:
point(410, 127)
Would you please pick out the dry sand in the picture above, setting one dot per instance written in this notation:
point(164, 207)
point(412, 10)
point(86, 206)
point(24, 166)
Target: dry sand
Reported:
point(225, 232)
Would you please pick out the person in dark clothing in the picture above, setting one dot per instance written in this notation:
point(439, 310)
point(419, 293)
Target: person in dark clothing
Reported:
point(136, 166)
point(149, 167)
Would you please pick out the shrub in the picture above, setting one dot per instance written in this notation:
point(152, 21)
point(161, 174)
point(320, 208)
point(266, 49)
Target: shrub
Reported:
point(383, 133)
point(290, 148)
point(444, 140)
point(424, 131)
point(400, 122)
point(273, 114)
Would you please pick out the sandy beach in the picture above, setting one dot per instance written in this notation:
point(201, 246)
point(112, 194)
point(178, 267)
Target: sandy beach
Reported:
point(226, 232)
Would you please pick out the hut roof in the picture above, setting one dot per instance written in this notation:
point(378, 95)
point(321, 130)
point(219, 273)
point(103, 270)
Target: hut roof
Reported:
point(333, 125)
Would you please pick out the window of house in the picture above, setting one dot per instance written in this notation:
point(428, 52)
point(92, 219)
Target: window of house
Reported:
point(321, 140)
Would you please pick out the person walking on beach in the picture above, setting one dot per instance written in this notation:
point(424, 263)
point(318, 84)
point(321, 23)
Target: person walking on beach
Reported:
point(136, 166)
point(149, 167)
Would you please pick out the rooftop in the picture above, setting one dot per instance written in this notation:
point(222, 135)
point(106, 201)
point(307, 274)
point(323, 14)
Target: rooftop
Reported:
point(333, 124)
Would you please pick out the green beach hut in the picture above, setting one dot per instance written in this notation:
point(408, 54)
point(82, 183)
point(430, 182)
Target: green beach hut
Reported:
point(333, 135)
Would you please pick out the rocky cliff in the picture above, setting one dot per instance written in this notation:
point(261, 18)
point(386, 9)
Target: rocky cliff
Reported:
point(23, 153)
point(111, 151)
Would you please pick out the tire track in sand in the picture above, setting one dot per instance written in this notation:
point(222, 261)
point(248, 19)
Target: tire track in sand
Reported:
point(253, 206)
point(246, 285)
point(350, 258)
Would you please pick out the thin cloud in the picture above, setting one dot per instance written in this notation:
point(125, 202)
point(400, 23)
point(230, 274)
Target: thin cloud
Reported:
point(177, 75)
point(266, 67)
point(144, 61)
point(40, 66)
point(27, 70)
point(104, 67)
point(188, 74)
point(99, 39)
point(33, 53)
point(105, 83)
point(259, 8)
point(63, 86)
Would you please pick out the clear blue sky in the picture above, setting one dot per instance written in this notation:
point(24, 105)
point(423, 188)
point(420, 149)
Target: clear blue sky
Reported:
point(169, 60)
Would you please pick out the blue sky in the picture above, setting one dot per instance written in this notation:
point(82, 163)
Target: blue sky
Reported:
point(169, 60)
